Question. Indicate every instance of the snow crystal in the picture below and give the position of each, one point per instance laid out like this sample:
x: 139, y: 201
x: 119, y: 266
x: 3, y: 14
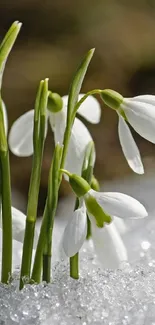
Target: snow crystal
x: 110, y: 297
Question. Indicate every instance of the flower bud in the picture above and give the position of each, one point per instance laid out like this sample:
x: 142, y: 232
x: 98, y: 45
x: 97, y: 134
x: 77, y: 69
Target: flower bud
x: 55, y: 102
x: 79, y: 185
x: 96, y: 211
x: 111, y: 98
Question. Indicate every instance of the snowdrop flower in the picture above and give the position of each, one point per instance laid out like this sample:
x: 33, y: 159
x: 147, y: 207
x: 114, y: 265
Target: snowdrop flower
x: 18, y: 226
x: 100, y: 207
x: 107, y: 242
x: 21, y: 134
x: 139, y: 111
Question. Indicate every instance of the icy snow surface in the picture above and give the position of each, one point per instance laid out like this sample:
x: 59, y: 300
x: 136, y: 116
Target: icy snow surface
x: 112, y: 297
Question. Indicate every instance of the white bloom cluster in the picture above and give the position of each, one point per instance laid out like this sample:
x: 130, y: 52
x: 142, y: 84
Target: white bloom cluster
x: 140, y: 113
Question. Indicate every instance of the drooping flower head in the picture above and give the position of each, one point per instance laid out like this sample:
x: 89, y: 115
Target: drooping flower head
x: 101, y: 208
x: 139, y: 112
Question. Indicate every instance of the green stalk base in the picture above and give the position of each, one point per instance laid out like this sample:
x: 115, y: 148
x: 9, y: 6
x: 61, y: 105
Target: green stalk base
x: 74, y: 266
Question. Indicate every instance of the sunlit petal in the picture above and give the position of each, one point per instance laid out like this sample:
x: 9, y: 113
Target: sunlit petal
x: 75, y: 232
x: 129, y: 147
x: 58, y: 125
x: 90, y: 109
x: 18, y: 226
x: 109, y: 246
x: 120, y: 225
x: 147, y: 99
x: 120, y: 205
x: 141, y: 116
x: 80, y: 137
x: 21, y: 135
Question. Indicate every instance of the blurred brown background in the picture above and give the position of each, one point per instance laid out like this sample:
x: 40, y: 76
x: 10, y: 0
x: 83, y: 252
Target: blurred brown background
x: 54, y: 37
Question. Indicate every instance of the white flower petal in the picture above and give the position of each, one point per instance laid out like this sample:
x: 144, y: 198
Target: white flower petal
x: 147, y: 99
x: 120, y: 225
x: 80, y: 137
x: 109, y: 246
x: 18, y: 226
x: 75, y: 232
x: 21, y: 135
x: 58, y: 125
x: 90, y: 109
x: 65, y: 101
x: 119, y: 204
x: 141, y: 116
x: 129, y: 147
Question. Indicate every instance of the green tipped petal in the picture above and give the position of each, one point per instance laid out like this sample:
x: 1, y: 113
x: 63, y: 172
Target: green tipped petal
x: 96, y: 211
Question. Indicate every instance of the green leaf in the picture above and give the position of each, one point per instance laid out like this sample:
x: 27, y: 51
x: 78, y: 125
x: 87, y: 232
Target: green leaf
x: 7, y: 45
x: 77, y: 81
x: 53, y: 183
x: 40, y: 111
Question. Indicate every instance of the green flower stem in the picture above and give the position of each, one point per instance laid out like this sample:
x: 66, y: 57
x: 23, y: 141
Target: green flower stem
x: 65, y: 148
x: 38, y: 141
x: 89, y: 231
x: 70, y: 121
x: 96, y: 187
x: 37, y: 266
x: 6, y: 203
x: 6, y: 218
x: 89, y: 93
x: 53, y: 187
x: 74, y: 266
x: 74, y: 260
x: 72, y: 101
x: 44, y: 246
x: 87, y: 174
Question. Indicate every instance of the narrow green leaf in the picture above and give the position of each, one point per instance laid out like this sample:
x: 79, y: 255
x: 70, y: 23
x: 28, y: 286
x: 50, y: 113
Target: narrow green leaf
x: 54, y: 174
x: 77, y: 81
x: 7, y: 45
x: 52, y: 201
x: 37, y: 101
x: 44, y: 98
x: 40, y: 113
